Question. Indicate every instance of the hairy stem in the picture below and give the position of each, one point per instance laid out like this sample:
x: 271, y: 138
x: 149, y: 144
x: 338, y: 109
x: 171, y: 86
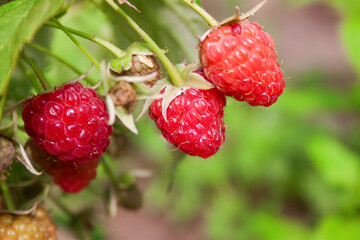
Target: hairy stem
x: 205, y: 15
x: 109, y: 46
x: 173, y: 73
x: 37, y: 71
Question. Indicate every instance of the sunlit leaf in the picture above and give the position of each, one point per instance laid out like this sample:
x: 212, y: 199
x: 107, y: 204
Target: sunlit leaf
x: 19, y: 21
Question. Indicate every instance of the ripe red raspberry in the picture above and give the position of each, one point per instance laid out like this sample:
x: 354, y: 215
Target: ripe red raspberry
x: 38, y: 226
x: 70, y: 176
x: 194, y: 121
x: 70, y: 123
x: 240, y: 59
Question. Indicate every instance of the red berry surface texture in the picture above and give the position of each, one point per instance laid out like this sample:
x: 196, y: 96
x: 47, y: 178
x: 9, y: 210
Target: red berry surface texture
x: 194, y: 121
x: 70, y: 176
x: 69, y: 123
x: 240, y: 59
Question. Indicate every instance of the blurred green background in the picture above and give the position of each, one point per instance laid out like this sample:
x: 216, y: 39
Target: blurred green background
x: 291, y: 171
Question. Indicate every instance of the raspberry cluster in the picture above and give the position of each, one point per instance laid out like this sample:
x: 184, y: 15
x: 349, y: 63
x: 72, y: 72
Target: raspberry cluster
x: 69, y: 123
x: 38, y: 226
x: 69, y: 128
x: 240, y: 59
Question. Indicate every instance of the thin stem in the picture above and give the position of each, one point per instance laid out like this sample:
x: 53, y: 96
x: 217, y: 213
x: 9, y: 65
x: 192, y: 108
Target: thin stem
x: 108, y: 170
x: 109, y: 46
x: 58, y: 58
x: 205, y: 15
x: 37, y: 71
x: 175, y: 76
x: 178, y: 157
x: 34, y: 82
x: 76, y: 42
x: 7, y: 196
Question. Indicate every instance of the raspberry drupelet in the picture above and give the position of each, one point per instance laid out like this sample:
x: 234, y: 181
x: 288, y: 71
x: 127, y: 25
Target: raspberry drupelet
x: 69, y: 123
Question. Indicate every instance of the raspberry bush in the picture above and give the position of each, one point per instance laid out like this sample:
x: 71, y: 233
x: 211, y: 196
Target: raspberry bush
x: 84, y: 94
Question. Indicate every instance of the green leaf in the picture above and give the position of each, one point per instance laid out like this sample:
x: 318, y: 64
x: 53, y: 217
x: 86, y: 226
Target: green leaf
x: 19, y: 21
x: 198, y: 2
x: 336, y: 164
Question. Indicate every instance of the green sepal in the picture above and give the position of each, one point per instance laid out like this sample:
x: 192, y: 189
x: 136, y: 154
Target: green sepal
x: 125, y: 63
x: 198, y: 2
x: 121, y: 64
x: 139, y: 48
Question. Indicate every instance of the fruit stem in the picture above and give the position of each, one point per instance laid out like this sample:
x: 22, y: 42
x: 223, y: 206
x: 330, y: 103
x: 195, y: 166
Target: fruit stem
x: 58, y: 58
x: 7, y: 196
x: 34, y: 82
x: 108, y: 170
x: 44, y: 83
x: 109, y: 46
x: 174, y: 74
x: 204, y: 14
x: 177, y: 158
x: 76, y: 42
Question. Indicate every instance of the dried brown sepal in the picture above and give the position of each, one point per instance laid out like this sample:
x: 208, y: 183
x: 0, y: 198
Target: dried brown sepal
x: 124, y: 94
x: 7, y: 153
